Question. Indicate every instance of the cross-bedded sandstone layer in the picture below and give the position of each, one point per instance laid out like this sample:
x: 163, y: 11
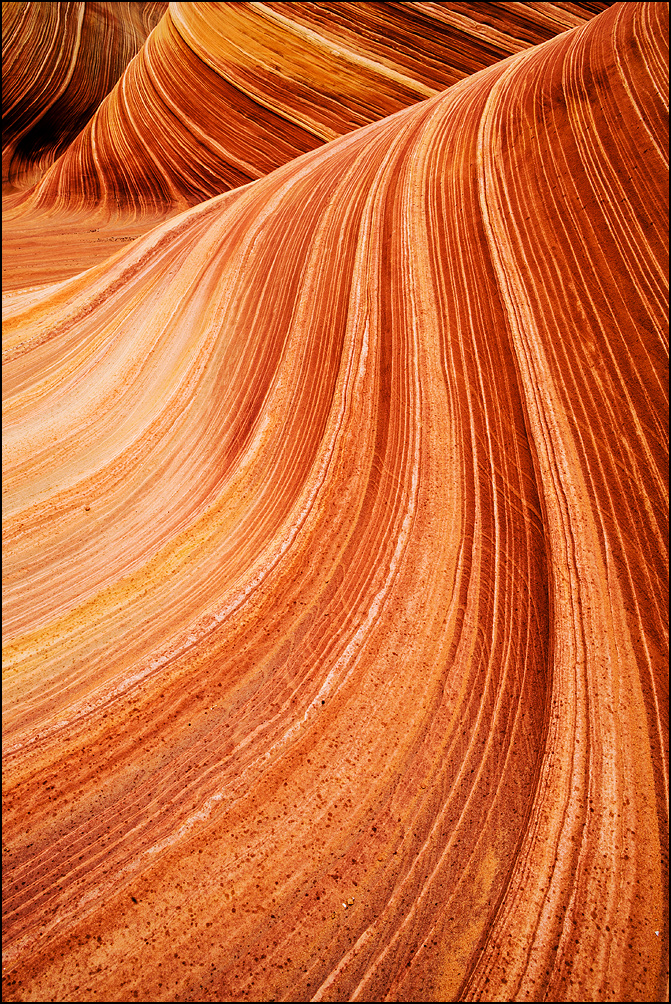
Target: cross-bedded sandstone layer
x: 221, y: 94
x: 335, y: 557
x: 59, y: 62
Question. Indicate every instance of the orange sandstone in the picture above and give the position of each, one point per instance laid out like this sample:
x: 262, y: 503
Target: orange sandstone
x: 335, y: 565
x: 221, y: 94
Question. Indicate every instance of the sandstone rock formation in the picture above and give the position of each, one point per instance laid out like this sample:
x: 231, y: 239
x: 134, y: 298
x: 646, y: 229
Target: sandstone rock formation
x: 59, y: 62
x: 335, y: 558
x: 222, y: 94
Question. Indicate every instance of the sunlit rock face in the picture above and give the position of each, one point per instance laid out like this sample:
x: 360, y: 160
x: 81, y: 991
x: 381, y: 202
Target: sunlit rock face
x: 335, y: 563
x: 59, y: 60
x: 223, y: 93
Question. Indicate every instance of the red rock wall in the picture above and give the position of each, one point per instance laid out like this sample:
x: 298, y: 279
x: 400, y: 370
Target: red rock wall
x: 336, y: 567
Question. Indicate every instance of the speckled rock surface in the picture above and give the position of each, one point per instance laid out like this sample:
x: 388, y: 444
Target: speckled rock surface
x: 335, y: 561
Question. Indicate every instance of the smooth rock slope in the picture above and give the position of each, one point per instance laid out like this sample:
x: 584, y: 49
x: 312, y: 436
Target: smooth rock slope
x: 336, y: 568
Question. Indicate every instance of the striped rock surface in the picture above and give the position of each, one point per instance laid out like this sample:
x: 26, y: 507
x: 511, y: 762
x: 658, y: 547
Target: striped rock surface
x: 223, y: 93
x: 335, y: 566
x: 59, y: 62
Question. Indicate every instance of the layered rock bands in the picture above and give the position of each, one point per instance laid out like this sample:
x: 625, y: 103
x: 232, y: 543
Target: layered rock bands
x: 335, y: 521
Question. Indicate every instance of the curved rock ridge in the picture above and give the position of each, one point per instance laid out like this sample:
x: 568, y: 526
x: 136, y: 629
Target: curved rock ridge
x: 336, y: 568
x: 59, y: 60
x: 272, y: 82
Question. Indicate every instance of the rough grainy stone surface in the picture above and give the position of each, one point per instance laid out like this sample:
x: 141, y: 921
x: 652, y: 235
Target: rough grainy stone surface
x: 335, y: 518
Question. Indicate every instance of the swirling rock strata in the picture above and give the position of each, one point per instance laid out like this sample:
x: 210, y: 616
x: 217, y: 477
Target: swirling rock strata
x: 272, y: 82
x: 59, y: 62
x: 335, y: 567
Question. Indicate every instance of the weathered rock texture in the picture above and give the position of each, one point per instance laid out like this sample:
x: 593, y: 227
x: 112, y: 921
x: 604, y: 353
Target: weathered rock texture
x: 223, y: 93
x: 335, y: 566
